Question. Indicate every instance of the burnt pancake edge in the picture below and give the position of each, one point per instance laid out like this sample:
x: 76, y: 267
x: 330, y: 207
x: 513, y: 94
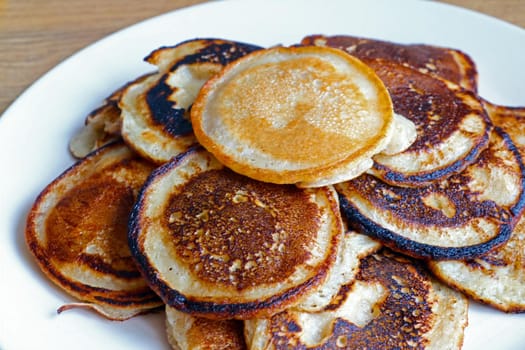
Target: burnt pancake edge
x: 142, y: 298
x: 212, y: 310
x: 424, y: 178
x: 361, y: 223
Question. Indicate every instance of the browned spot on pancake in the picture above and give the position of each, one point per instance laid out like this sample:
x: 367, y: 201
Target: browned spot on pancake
x: 89, y: 224
x: 214, y: 334
x: 403, y: 317
x: 232, y: 230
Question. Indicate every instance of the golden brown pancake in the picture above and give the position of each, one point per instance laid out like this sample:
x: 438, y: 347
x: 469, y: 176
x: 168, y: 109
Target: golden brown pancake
x: 461, y: 217
x: 306, y: 115
x: 155, y: 112
x: 450, y: 64
x: 77, y: 231
x: 496, y: 278
x: 393, y: 303
x: 186, y: 332
x: 217, y: 244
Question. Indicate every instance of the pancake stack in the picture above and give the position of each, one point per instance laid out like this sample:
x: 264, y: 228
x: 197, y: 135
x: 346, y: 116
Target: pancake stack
x: 341, y: 193
x: 463, y: 217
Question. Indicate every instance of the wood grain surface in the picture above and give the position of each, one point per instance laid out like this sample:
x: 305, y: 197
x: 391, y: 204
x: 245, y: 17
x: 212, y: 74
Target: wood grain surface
x: 35, y: 35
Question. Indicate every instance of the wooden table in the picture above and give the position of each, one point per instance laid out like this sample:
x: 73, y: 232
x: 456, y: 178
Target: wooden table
x: 35, y: 35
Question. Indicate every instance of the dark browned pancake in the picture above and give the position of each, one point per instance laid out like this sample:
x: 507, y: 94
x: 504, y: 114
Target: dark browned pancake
x: 450, y: 64
x: 77, y: 231
x: 216, y: 244
x: 155, y: 112
x: 462, y: 217
x: 393, y: 303
x: 496, y: 278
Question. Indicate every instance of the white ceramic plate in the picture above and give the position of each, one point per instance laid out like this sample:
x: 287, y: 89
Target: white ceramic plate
x: 35, y: 130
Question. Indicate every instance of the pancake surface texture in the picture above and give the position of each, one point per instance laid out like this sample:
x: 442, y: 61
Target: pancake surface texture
x: 155, y: 111
x: 77, y: 231
x: 216, y: 244
x: 392, y: 304
x: 306, y: 115
x: 447, y: 63
x: 186, y: 332
x: 452, y: 126
x: 496, y: 278
x: 463, y: 216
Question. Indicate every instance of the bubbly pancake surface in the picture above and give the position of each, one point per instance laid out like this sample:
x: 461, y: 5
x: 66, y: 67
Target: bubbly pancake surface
x: 288, y: 115
x: 463, y: 216
x: 392, y: 304
x: 77, y: 230
x: 217, y: 244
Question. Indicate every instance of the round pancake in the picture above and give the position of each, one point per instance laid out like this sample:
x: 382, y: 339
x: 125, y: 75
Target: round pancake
x: 496, y: 278
x: 452, y: 126
x: 450, y: 64
x: 186, y: 332
x: 216, y: 244
x: 394, y: 303
x: 295, y: 115
x: 155, y: 112
x: 77, y: 231
x: 461, y: 217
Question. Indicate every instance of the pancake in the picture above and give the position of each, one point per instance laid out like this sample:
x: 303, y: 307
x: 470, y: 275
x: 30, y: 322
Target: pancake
x: 155, y: 112
x: 216, y: 244
x: 310, y: 116
x: 447, y: 63
x: 461, y: 217
x: 186, y: 332
x: 393, y: 303
x: 102, y: 125
x: 77, y: 232
x: 496, y: 278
